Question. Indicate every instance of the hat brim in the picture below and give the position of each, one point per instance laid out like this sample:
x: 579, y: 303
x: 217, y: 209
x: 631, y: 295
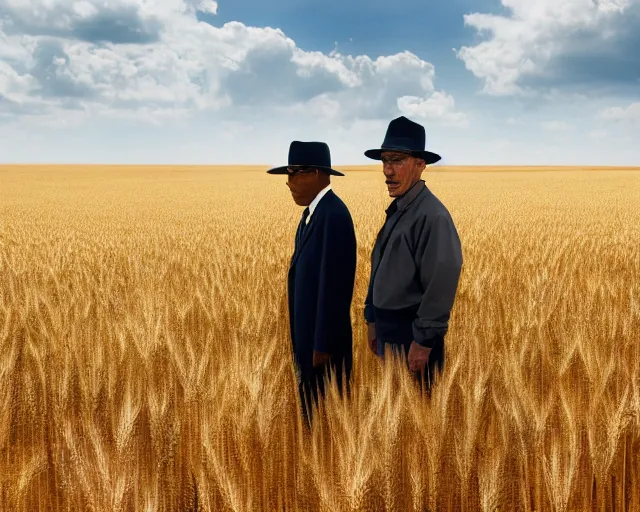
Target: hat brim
x: 283, y: 169
x: 427, y: 156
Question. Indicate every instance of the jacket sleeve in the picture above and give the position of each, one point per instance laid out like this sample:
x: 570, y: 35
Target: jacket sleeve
x: 336, y: 282
x: 439, y: 258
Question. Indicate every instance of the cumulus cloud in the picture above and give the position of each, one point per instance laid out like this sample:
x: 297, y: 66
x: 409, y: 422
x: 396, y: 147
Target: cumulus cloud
x: 547, y: 43
x: 630, y: 113
x: 153, y: 60
x: 117, y: 21
x: 439, y: 106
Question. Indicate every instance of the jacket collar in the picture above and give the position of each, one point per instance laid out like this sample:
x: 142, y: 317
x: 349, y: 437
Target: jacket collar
x: 316, y: 200
x: 409, y: 195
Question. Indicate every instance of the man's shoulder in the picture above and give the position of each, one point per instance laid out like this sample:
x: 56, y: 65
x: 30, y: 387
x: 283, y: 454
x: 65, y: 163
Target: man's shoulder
x: 432, y: 207
x: 335, y: 205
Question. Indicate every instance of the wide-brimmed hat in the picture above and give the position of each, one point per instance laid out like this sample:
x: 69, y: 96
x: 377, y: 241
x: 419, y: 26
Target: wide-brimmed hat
x: 405, y: 136
x: 308, y: 154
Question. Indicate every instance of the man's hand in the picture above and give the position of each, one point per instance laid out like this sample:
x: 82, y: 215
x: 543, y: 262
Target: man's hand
x: 371, y: 333
x: 418, y: 357
x: 319, y: 358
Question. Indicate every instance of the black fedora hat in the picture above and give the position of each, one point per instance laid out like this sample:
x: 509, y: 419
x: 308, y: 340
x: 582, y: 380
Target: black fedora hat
x: 307, y: 154
x: 405, y: 136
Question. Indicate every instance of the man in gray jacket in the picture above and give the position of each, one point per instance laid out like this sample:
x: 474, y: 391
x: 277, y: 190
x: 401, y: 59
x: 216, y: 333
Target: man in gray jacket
x: 417, y: 258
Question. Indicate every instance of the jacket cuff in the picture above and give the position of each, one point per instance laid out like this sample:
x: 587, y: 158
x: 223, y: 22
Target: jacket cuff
x: 369, y: 314
x: 427, y: 337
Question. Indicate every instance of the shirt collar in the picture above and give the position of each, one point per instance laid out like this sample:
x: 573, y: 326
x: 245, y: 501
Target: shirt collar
x: 316, y: 200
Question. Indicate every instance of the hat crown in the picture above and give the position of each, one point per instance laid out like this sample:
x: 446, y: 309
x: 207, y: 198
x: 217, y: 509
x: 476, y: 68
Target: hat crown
x: 405, y: 135
x: 309, y: 154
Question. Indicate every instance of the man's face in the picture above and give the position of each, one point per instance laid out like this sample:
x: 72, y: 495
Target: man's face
x: 401, y: 171
x: 304, y: 185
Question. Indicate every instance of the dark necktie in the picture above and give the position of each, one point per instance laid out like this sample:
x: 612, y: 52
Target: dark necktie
x: 305, y: 214
x: 303, y: 224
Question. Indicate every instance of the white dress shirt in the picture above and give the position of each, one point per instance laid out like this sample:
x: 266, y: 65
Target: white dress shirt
x: 316, y: 200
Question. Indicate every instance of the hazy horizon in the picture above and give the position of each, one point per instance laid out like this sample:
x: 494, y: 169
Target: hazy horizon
x: 354, y: 167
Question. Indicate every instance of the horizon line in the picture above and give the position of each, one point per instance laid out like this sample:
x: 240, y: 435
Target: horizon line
x: 337, y: 166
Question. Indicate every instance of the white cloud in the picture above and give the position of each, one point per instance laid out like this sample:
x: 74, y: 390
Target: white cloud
x: 153, y: 60
x: 440, y: 106
x: 209, y: 6
x: 522, y: 45
x: 556, y: 126
x: 125, y: 21
x: 630, y: 113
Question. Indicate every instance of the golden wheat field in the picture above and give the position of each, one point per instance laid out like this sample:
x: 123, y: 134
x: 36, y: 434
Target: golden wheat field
x: 145, y: 357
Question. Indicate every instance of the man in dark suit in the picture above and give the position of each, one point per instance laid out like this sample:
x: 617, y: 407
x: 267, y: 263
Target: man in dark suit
x: 321, y: 274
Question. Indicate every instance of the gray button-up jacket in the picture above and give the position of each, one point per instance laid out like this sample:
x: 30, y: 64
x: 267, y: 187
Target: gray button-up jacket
x: 420, y: 266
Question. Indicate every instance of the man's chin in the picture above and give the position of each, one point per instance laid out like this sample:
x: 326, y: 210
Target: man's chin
x: 394, y: 190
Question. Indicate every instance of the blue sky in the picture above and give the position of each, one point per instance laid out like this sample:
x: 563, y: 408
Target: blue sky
x: 509, y: 82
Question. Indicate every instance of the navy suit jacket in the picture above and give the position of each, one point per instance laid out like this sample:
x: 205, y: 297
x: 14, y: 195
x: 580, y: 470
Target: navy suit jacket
x: 320, y: 285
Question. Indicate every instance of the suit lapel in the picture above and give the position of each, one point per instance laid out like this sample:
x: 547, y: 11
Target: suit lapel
x: 310, y: 227
x: 297, y: 239
x: 305, y: 237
